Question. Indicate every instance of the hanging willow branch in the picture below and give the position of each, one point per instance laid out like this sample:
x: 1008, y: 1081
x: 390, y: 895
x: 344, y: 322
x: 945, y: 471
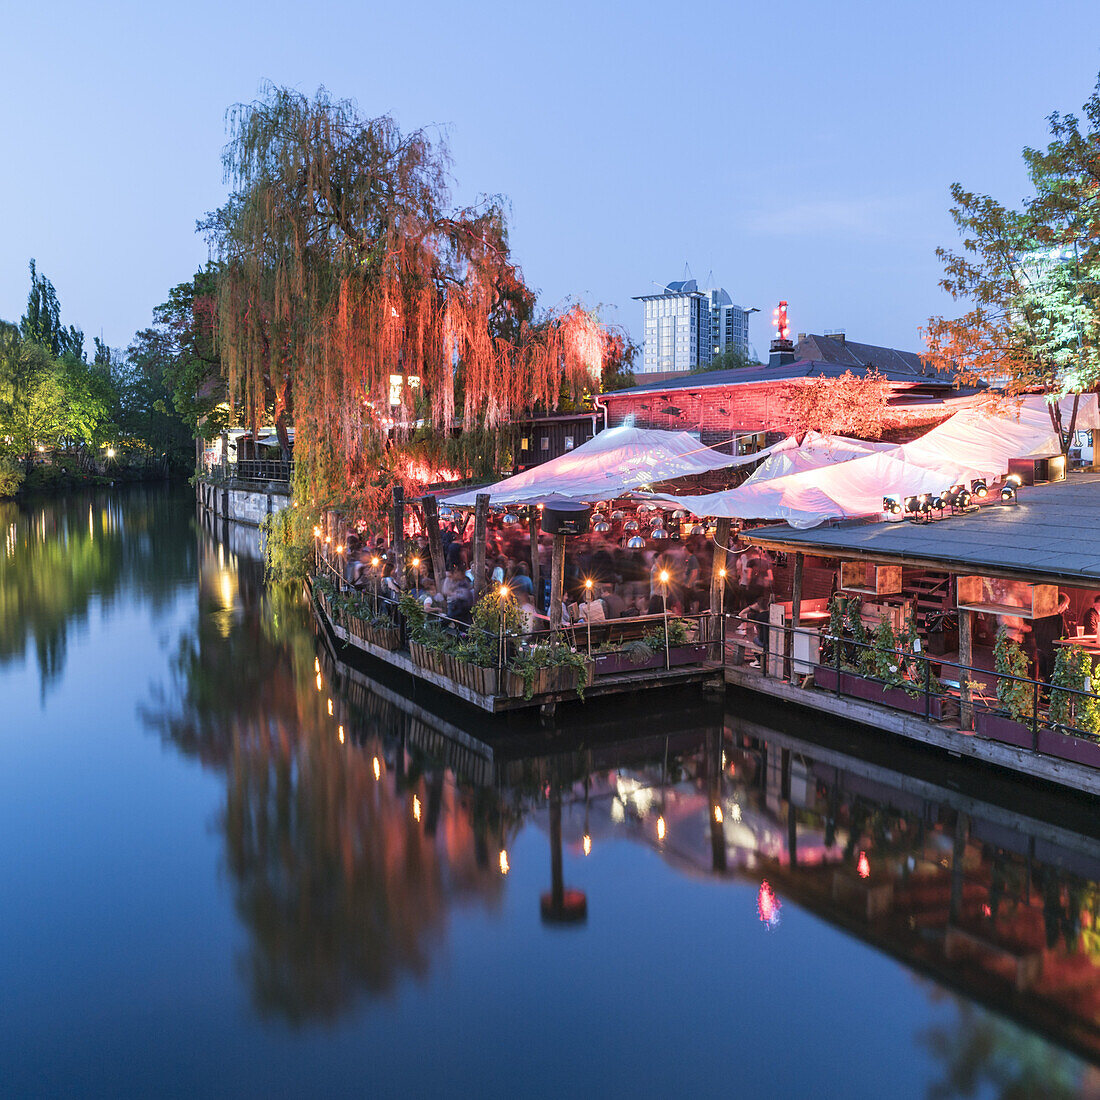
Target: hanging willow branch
x: 342, y: 264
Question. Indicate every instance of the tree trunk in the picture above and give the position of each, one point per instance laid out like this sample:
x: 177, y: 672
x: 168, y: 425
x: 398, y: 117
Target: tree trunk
x: 399, y: 535
x: 557, y: 581
x: 718, y: 582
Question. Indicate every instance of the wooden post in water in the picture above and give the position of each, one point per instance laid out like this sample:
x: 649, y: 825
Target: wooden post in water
x: 533, y: 520
x: 435, y: 540
x: 557, y: 581
x: 966, y: 657
x: 796, y: 606
x: 481, y: 530
x: 718, y: 577
x: 399, y: 535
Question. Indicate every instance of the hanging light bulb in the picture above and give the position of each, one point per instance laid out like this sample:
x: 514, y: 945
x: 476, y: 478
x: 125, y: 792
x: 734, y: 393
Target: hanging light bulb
x: 658, y: 533
x: 679, y: 514
x: 597, y: 516
x: 602, y: 527
x: 645, y: 506
x: 630, y: 526
x: 618, y: 516
x: 635, y: 542
x: 509, y: 519
x: 698, y: 529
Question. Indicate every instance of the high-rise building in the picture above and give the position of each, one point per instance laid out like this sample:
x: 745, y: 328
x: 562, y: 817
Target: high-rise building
x: 685, y: 327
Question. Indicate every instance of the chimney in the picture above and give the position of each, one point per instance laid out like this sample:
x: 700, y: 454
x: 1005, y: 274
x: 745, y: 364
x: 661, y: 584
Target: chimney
x: 837, y: 336
x: 781, y: 351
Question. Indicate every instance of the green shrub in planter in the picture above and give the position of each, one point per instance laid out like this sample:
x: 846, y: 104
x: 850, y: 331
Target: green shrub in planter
x: 1073, y: 670
x: 1017, y: 700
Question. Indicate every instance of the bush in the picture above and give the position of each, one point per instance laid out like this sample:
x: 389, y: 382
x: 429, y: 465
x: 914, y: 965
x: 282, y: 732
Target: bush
x: 1073, y: 670
x: 1016, y: 699
x: 11, y: 477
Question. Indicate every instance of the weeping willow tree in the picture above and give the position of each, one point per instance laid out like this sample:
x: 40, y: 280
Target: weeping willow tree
x: 347, y: 279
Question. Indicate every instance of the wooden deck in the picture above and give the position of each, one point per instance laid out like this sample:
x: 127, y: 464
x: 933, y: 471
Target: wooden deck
x: 943, y: 735
x: 705, y: 675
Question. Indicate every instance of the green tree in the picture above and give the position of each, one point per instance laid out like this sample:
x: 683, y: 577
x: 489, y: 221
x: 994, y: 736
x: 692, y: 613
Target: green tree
x: 732, y: 358
x: 41, y: 323
x: 1031, y: 277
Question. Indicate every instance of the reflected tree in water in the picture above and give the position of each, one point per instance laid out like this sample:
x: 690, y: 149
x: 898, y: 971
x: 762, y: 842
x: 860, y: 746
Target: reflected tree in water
x: 342, y: 889
x: 61, y: 557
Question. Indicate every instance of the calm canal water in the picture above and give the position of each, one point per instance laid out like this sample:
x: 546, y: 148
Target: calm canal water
x: 231, y: 862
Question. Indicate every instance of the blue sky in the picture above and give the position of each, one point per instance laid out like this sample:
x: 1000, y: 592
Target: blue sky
x: 799, y: 150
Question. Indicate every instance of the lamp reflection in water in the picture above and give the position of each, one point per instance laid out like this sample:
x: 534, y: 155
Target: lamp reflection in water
x: 505, y: 866
x: 416, y: 807
x: 340, y: 734
x: 863, y: 867
x: 768, y: 905
x: 377, y: 768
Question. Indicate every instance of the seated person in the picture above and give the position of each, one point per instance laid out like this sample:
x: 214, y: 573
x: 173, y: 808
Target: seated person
x: 1091, y: 621
x: 613, y: 602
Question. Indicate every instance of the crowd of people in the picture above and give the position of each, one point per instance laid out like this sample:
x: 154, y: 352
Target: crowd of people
x: 603, y: 580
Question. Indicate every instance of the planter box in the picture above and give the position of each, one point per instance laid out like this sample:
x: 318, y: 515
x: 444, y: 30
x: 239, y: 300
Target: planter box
x: 999, y: 727
x: 860, y: 687
x: 546, y: 680
x: 613, y: 664
x: 1081, y: 750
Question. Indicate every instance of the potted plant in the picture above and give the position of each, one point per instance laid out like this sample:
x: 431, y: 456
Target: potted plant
x: 548, y: 667
x: 1074, y: 710
x: 1011, y: 722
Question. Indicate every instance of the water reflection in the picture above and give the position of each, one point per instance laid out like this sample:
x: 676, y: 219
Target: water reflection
x: 62, y: 557
x: 358, y: 822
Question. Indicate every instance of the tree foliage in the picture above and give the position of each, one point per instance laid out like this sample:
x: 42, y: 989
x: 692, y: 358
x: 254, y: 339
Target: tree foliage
x: 849, y: 405
x: 733, y: 358
x: 342, y: 264
x: 1031, y: 276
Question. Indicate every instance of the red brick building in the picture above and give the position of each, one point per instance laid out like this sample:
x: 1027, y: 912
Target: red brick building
x: 749, y: 401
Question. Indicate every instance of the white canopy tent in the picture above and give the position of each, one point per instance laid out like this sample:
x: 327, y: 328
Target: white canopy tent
x: 611, y: 464
x: 814, y: 451
x: 976, y: 442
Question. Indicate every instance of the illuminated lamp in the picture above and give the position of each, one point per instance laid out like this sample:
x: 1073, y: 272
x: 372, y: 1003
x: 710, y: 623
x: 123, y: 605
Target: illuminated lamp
x: 658, y: 533
x: 603, y: 505
x: 698, y: 529
x: 679, y: 514
x: 635, y: 542
x: 891, y: 505
x: 1008, y: 492
x: 979, y: 488
x: 602, y: 527
x: 655, y: 521
x: 597, y: 516
x: 618, y: 516
x: 912, y: 504
x: 509, y: 519
x: 646, y: 507
x: 630, y: 526
x: 938, y: 502
x: 446, y: 513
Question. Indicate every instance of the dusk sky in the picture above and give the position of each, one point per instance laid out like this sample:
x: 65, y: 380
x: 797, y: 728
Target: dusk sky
x: 797, y: 150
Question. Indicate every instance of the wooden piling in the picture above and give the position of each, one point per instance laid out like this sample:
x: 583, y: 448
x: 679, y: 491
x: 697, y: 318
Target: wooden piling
x: 557, y: 581
x: 718, y: 582
x: 481, y: 531
x: 435, y: 541
x: 796, y: 607
x: 533, y: 519
x: 399, y: 535
x: 966, y: 658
